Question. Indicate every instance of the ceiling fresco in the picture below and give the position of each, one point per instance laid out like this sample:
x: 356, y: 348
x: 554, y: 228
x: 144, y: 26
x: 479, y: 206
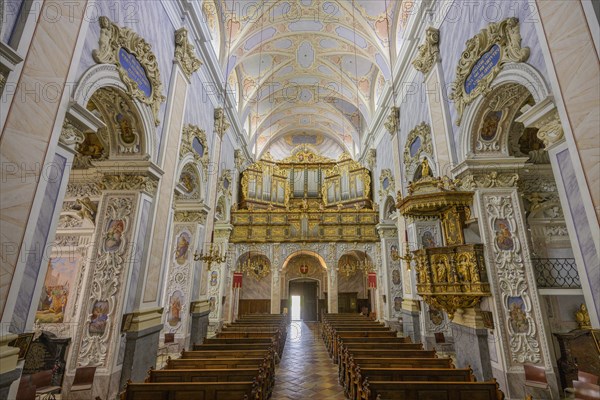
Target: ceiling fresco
x: 315, y: 66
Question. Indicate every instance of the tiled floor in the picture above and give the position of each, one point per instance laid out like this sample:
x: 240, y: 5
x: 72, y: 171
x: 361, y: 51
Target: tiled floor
x: 305, y: 370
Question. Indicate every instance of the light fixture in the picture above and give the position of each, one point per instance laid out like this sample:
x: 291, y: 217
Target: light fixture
x: 256, y: 266
x: 213, y: 256
x: 349, y: 268
x: 407, y: 257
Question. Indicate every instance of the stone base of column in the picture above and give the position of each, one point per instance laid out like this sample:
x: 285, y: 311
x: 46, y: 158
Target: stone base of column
x: 516, y: 390
x: 200, y: 310
x: 9, y: 372
x: 471, y: 343
x: 141, y: 348
x: 411, y: 325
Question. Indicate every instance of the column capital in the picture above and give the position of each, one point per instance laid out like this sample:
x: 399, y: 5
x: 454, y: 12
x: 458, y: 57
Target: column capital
x: 185, y: 54
x: 544, y: 116
x: 428, y: 52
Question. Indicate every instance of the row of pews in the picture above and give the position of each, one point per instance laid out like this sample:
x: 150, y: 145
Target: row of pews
x: 375, y: 364
x: 238, y: 363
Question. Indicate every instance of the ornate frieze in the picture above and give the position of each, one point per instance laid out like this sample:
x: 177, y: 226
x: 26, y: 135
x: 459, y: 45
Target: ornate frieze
x: 84, y: 189
x: 484, y: 57
x: 135, y: 61
x: 198, y: 217
x: 193, y: 141
x: 393, y: 121
x: 428, y: 52
x: 129, y: 182
x: 185, y: 54
x: 221, y: 122
x: 489, y: 180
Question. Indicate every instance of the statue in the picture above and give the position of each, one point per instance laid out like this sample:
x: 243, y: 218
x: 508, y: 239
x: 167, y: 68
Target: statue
x: 583, y: 317
x: 425, y: 171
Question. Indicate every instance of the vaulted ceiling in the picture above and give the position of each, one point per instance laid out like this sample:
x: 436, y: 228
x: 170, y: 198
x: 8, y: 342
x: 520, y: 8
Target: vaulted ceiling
x: 306, y: 71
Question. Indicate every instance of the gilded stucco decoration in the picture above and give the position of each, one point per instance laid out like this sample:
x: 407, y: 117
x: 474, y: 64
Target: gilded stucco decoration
x: 393, y: 120
x: 418, y: 146
x: 387, y: 184
x: 130, y: 182
x: 502, y: 43
x: 429, y: 52
x: 185, y: 54
x: 193, y: 141
x: 114, y: 40
x: 221, y: 122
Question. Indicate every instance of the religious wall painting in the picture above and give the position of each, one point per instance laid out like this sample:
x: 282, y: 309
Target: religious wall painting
x: 91, y: 147
x: 214, y: 275
x: 517, y: 316
x: 113, y: 235
x: 125, y: 125
x: 489, y: 127
x: 396, y: 280
x: 504, y: 238
x: 57, y: 288
x: 182, y: 249
x: 99, y: 318
x: 428, y: 240
x: 175, y: 305
x: 397, y: 303
x: 188, y: 181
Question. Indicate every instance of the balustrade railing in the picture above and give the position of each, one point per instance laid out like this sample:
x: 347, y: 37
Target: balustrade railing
x: 556, y: 273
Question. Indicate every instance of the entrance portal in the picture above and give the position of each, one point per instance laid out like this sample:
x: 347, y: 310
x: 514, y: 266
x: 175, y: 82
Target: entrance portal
x: 303, y: 295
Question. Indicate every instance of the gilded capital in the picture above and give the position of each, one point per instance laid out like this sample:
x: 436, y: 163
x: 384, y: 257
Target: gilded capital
x: 184, y: 53
x: 428, y: 52
x: 393, y: 121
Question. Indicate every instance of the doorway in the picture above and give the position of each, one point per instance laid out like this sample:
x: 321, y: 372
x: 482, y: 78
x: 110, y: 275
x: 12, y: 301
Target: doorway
x: 304, y: 296
x: 296, y: 308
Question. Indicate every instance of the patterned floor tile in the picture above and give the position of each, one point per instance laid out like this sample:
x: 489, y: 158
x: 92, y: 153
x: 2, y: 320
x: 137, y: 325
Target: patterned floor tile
x: 306, y: 372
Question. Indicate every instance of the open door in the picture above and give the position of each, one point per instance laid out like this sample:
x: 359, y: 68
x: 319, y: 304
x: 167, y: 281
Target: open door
x: 307, y: 292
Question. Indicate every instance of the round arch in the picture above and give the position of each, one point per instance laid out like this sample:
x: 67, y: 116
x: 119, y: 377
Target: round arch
x: 306, y: 253
x: 519, y: 73
x: 106, y: 76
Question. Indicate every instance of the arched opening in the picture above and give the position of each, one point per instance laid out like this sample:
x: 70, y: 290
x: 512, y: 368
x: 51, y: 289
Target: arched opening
x: 255, y: 294
x: 353, y: 290
x: 304, y: 286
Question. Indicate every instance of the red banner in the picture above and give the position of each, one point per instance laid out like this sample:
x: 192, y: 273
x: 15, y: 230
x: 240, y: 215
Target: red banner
x: 372, y: 280
x: 237, y: 279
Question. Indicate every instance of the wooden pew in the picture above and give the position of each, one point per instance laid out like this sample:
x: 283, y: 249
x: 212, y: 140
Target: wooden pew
x: 407, y: 374
x: 192, y: 390
x: 212, y: 363
x: 203, y: 375
x: 380, y: 390
x: 224, y: 353
x: 233, y: 346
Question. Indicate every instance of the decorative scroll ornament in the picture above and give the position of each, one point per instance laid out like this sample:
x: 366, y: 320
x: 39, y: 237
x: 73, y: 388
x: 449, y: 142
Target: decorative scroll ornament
x: 550, y: 129
x: 117, y: 44
x: 489, y: 50
x: 418, y: 146
x: 512, y: 282
x: 190, y: 216
x: 193, y: 141
x: 184, y: 53
x: 108, y: 273
x: 387, y: 185
x: 221, y: 123
x: 70, y: 135
x: 239, y: 159
x: 84, y: 189
x: 130, y: 182
x: 393, y: 121
x: 225, y: 183
x: 493, y: 179
x: 428, y: 52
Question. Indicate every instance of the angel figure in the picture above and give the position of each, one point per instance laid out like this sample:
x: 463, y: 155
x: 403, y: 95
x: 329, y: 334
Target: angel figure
x: 88, y: 209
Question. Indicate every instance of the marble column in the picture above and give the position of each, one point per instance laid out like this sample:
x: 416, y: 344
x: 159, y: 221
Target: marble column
x: 471, y: 343
x: 168, y: 161
x: 275, y: 290
x: 332, y: 290
x: 389, y: 237
x: 27, y: 145
x: 219, y: 282
x: 199, y: 327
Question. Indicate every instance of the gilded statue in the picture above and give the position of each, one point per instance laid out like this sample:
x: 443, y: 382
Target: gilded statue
x: 583, y: 317
x: 425, y: 170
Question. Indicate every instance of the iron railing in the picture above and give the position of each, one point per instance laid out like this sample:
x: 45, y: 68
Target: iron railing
x: 556, y: 273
